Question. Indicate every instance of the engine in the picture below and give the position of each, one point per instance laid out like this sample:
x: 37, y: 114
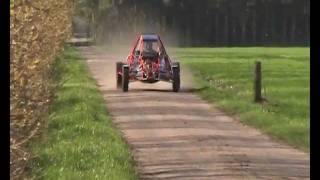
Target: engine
x: 150, y: 65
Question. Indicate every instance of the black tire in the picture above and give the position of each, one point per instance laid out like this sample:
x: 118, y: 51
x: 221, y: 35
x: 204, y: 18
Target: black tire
x: 118, y: 76
x: 176, y: 78
x: 125, y: 78
x: 176, y: 64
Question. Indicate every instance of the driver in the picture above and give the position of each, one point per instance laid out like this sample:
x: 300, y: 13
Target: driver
x: 149, y: 47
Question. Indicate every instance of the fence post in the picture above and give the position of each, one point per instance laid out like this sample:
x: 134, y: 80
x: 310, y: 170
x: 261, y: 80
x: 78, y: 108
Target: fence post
x: 257, y: 82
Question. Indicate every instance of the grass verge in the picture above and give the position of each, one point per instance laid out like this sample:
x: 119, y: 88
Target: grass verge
x: 79, y: 141
x: 226, y: 76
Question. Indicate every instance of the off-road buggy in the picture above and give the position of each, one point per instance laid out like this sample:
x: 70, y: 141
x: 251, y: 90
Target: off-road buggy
x: 148, y: 62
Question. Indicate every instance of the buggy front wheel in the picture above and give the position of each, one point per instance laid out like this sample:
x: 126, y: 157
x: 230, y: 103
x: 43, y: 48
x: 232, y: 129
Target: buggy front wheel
x: 125, y: 78
x: 118, y: 75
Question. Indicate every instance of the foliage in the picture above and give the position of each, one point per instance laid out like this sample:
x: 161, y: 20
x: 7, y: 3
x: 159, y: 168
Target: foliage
x: 80, y: 141
x: 226, y: 76
x: 37, y: 30
x: 206, y: 22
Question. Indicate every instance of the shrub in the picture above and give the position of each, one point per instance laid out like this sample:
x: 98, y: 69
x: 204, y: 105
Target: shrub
x: 37, y: 32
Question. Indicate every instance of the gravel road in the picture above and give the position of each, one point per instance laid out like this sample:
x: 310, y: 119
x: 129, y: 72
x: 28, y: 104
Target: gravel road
x: 181, y: 136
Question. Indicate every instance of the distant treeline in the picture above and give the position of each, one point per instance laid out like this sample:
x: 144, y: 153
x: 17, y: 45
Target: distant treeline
x: 202, y: 22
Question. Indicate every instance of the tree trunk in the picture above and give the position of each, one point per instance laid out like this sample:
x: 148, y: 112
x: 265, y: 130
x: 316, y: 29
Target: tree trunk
x: 265, y: 33
x: 293, y: 29
x: 234, y: 33
x: 243, y: 33
x: 94, y: 25
x: 163, y: 24
x: 284, y: 29
x: 243, y: 23
x: 273, y: 28
x: 216, y: 27
x: 226, y: 29
x: 254, y: 28
x: 135, y: 22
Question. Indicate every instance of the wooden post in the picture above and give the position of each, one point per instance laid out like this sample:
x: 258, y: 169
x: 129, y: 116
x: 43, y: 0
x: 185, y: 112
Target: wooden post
x: 257, y: 83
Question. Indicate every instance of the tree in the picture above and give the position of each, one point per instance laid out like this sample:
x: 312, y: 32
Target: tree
x: 223, y: 22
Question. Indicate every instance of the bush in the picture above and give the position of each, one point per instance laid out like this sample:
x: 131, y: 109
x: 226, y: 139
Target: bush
x: 37, y: 32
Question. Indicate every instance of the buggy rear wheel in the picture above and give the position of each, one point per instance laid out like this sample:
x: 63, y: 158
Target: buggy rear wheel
x: 176, y: 77
x: 125, y: 78
x: 118, y: 76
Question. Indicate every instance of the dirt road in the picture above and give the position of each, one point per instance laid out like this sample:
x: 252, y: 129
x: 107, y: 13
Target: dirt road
x: 180, y: 136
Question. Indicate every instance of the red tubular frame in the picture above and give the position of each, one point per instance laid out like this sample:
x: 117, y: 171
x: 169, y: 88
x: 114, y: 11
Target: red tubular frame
x: 131, y: 55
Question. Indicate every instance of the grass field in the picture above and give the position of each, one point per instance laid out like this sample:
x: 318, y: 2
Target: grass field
x: 226, y: 76
x: 80, y: 142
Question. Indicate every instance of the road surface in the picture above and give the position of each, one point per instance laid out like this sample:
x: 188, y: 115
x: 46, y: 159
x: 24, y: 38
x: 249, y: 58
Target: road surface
x: 180, y: 136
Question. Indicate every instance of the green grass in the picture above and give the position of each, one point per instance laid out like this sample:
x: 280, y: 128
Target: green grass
x: 80, y: 141
x: 226, y: 76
